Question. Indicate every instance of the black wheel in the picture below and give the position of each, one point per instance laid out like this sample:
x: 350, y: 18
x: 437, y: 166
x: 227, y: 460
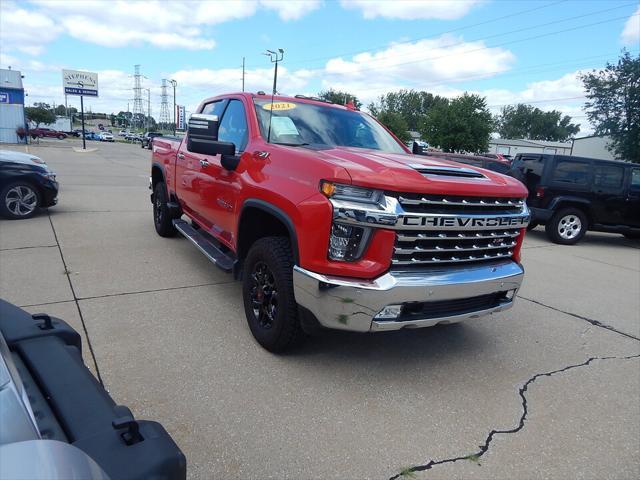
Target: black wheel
x: 532, y: 225
x: 19, y: 200
x: 60, y: 137
x: 41, y: 135
x: 161, y: 216
x: 567, y: 226
x: 267, y: 290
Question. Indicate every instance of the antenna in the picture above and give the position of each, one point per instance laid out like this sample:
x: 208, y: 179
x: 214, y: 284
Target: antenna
x: 275, y: 57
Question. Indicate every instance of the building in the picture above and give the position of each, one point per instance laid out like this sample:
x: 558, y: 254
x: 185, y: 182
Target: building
x: 593, y: 146
x: 506, y: 146
x: 11, y: 106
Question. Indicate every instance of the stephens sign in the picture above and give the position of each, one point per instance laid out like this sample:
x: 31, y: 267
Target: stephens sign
x: 180, y: 117
x: 80, y: 83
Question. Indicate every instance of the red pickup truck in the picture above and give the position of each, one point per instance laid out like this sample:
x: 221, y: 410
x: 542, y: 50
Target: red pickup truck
x: 329, y: 219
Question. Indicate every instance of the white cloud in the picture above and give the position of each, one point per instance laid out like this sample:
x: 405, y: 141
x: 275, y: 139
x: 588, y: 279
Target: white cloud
x: 30, y: 27
x: 25, y: 30
x: 418, y: 65
x: 412, y: 9
x: 631, y: 33
x: 291, y: 9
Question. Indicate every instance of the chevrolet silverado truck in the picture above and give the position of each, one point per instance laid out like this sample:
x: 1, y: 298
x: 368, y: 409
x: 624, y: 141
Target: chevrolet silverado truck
x: 329, y: 219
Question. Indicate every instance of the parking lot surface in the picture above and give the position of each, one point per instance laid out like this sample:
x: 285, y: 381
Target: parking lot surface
x: 549, y: 389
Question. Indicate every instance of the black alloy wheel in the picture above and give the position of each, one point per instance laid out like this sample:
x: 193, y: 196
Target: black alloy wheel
x: 264, y: 295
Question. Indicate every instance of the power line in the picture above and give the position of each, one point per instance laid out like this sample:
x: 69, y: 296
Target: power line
x: 535, y: 37
x: 501, y: 34
x: 465, y: 27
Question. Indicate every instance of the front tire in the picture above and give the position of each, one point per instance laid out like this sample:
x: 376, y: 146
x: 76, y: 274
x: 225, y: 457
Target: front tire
x: 567, y: 226
x: 19, y: 200
x: 162, y: 219
x: 267, y: 290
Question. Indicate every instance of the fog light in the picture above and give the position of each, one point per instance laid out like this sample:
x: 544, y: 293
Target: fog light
x: 390, y: 311
x: 347, y: 242
x: 510, y: 294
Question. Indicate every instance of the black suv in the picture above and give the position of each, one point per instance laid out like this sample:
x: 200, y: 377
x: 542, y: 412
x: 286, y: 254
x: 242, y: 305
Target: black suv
x: 570, y: 195
x: 147, y: 139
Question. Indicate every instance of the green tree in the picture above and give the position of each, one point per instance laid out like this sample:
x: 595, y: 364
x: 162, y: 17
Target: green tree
x: 613, y: 105
x: 40, y: 115
x: 60, y: 110
x: 463, y: 124
x: 339, y: 97
x: 394, y: 122
x: 411, y: 104
x: 526, y: 121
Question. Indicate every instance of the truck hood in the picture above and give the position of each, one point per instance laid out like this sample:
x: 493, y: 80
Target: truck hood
x: 400, y: 172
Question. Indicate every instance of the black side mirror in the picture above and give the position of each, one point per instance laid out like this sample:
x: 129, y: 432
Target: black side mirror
x: 202, y: 137
x: 416, y: 149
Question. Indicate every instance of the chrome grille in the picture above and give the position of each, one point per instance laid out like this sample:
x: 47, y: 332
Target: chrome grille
x: 433, y: 246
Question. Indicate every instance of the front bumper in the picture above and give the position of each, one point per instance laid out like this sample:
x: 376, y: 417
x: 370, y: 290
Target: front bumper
x: 352, y: 304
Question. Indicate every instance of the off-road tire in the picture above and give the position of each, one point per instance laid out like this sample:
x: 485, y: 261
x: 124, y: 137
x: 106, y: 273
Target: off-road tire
x: 4, y: 210
x: 285, y: 331
x: 552, y: 228
x: 162, y: 219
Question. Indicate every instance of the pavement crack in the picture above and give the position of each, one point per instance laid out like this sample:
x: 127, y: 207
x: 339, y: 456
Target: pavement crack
x: 139, y: 292
x: 593, y: 322
x: 26, y: 248
x: 484, y: 448
x: 75, y: 299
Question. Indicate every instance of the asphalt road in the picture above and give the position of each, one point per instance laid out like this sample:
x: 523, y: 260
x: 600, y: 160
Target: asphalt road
x: 549, y: 389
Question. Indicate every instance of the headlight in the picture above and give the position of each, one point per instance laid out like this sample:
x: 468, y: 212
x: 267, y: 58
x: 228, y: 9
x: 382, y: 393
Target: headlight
x: 347, y: 242
x: 351, y: 193
x: 49, y: 175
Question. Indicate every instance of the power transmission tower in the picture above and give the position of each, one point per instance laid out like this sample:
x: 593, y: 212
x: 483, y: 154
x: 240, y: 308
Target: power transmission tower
x: 164, y: 106
x: 138, y: 110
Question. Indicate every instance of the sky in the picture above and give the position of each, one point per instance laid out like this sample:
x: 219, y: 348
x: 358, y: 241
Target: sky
x: 508, y: 51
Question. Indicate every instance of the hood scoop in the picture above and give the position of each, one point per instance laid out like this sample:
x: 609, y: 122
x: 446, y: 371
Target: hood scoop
x: 444, y: 171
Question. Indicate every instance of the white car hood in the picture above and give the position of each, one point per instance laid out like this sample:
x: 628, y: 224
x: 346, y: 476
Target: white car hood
x: 19, y: 157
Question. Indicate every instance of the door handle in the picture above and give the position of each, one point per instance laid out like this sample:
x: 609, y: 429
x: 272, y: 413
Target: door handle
x: 180, y: 156
x: 204, y: 163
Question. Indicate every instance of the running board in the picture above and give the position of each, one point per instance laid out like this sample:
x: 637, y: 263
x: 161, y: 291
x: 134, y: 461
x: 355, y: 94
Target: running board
x: 206, y: 246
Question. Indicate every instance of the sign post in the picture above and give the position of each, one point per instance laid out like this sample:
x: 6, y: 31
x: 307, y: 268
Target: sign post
x: 80, y: 84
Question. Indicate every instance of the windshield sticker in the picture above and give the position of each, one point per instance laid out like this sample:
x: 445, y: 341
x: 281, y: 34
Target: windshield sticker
x: 283, y: 126
x: 279, y: 106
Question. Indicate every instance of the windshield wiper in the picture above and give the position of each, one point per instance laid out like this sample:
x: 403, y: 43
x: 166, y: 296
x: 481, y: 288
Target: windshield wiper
x: 291, y: 144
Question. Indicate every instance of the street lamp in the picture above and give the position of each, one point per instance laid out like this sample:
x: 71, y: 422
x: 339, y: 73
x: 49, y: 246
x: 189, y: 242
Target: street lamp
x: 275, y: 58
x: 148, y: 120
x: 174, y: 84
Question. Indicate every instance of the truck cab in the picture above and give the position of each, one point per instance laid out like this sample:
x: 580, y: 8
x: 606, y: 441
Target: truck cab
x: 330, y: 221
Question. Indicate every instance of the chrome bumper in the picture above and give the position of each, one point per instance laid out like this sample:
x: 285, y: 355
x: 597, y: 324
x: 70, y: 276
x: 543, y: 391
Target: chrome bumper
x: 351, y: 304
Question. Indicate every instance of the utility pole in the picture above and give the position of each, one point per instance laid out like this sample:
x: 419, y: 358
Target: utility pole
x: 243, y: 74
x: 275, y: 57
x: 164, y: 106
x: 148, y: 119
x: 174, y: 84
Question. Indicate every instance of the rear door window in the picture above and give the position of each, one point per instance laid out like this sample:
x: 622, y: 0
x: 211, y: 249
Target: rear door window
x: 635, y: 179
x: 571, y: 172
x: 609, y: 177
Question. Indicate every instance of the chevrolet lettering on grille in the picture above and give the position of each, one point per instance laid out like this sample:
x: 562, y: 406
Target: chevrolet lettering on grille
x: 457, y: 223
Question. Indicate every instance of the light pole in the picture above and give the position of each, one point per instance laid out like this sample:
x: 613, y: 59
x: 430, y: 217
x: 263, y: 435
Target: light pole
x: 174, y: 84
x: 275, y: 57
x: 148, y: 120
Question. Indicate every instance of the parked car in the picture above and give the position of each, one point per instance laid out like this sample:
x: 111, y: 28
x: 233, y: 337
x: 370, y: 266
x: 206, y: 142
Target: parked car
x: 26, y: 184
x: 474, y: 160
x: 91, y: 135
x: 497, y: 156
x: 58, y: 422
x: 571, y: 195
x: 330, y: 220
x: 76, y: 133
x: 105, y: 137
x: 123, y: 133
x: 147, y: 139
x: 47, y: 132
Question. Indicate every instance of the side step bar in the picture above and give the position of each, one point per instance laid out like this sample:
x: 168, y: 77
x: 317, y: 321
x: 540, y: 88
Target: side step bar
x: 206, y: 246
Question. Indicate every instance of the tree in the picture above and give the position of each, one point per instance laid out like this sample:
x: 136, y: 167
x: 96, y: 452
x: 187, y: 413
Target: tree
x: 613, y: 105
x: 60, y: 110
x: 394, y: 122
x: 525, y: 121
x: 411, y: 104
x: 339, y: 97
x: 463, y: 124
x: 40, y: 115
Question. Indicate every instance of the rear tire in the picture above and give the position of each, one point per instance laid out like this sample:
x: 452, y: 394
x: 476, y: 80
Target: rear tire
x: 567, y: 226
x: 267, y: 290
x: 162, y: 219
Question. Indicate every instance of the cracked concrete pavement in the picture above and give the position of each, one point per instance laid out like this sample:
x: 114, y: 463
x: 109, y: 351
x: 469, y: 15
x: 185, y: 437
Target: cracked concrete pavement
x: 553, y: 378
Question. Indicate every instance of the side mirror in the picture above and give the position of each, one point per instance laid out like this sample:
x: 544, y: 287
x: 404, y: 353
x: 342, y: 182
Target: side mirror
x: 202, y: 136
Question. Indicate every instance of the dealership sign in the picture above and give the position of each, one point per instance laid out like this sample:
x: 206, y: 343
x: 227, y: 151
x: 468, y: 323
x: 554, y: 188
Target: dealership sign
x: 80, y: 83
x: 180, y: 120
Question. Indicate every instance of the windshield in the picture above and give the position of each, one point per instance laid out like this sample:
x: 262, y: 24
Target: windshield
x: 304, y: 124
